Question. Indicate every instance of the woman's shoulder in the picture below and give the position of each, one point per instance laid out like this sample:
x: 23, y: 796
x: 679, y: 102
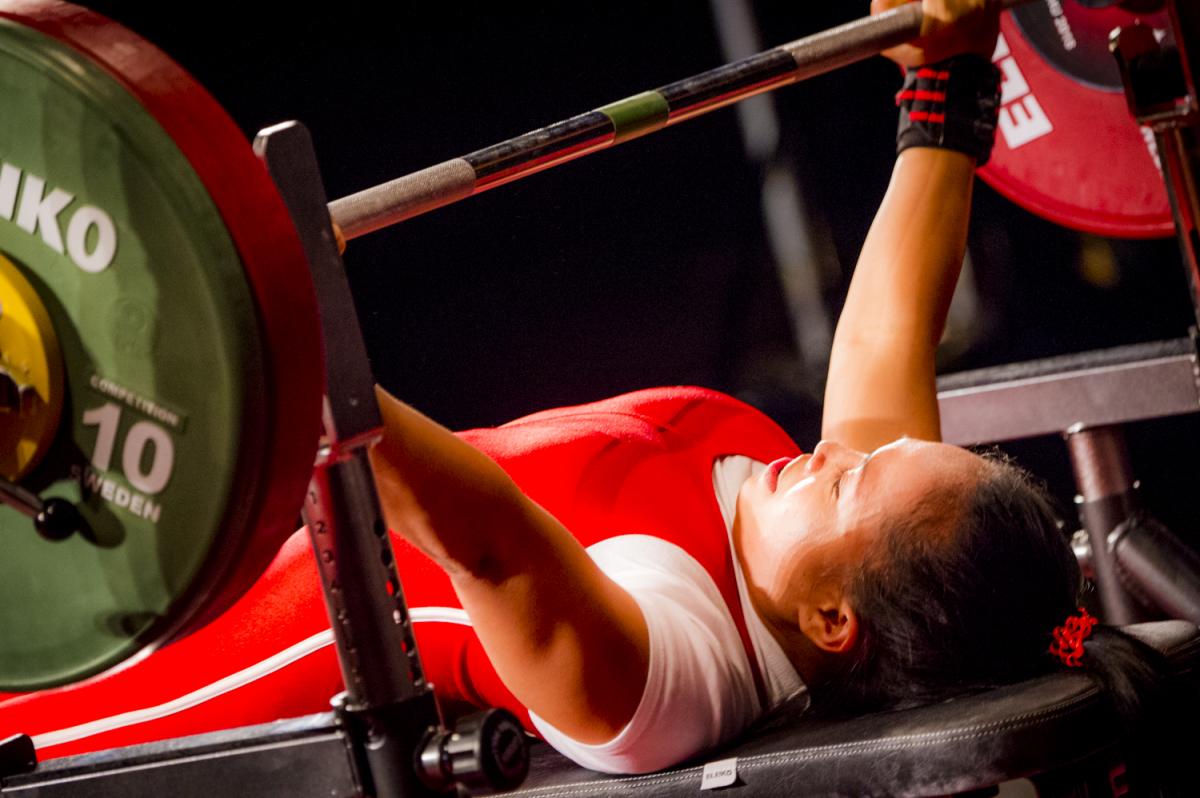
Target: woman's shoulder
x: 686, y: 410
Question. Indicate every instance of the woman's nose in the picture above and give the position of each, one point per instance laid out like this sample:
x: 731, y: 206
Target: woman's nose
x: 832, y: 452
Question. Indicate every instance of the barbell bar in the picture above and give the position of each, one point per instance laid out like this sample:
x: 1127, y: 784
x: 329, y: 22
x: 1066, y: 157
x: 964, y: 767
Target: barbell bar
x: 638, y: 115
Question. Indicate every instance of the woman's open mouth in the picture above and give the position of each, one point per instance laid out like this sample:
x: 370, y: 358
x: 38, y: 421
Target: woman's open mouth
x: 774, y: 469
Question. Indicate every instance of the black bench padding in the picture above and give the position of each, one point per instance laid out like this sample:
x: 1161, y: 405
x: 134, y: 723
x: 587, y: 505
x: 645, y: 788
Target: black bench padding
x: 965, y: 744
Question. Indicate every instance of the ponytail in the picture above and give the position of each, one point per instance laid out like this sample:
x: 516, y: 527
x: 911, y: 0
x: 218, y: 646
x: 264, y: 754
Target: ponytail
x: 1134, y: 678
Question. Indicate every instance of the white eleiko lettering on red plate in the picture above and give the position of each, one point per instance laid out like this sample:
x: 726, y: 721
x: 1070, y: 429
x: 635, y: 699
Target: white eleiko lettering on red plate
x: 1022, y: 118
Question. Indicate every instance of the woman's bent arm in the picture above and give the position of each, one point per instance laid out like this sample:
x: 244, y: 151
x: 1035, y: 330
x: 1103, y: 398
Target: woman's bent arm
x: 569, y: 642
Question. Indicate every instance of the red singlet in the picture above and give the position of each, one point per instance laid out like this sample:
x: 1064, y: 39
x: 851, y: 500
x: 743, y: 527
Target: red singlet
x: 640, y: 463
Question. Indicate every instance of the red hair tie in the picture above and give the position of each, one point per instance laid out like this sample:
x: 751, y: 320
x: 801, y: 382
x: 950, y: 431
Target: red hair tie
x: 1068, y: 638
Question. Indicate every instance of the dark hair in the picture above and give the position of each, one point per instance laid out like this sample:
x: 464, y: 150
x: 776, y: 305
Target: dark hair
x: 962, y: 595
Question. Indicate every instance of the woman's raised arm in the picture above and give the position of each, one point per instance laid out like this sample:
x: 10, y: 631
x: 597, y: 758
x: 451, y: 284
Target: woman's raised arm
x: 881, y: 383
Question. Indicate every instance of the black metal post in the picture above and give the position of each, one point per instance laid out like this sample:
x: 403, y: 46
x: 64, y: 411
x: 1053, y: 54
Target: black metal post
x: 1161, y: 88
x: 1106, y: 487
x: 388, y: 704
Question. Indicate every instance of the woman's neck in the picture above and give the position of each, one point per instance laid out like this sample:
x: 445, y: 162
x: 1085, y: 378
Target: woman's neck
x: 809, y: 661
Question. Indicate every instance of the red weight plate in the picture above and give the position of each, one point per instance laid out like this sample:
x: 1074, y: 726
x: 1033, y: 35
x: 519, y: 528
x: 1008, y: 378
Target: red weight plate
x: 1068, y: 149
x: 282, y: 428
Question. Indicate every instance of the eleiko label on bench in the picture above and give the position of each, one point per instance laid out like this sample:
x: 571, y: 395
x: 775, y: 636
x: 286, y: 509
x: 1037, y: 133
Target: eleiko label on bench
x: 721, y: 773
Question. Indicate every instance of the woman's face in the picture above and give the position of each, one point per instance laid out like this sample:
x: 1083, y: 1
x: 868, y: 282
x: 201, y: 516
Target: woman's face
x: 803, y: 519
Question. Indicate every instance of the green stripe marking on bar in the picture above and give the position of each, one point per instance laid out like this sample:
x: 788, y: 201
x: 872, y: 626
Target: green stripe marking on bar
x: 637, y: 115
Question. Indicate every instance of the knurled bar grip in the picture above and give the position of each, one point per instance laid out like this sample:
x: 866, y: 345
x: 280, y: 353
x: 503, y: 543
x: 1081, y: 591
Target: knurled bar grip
x: 453, y: 180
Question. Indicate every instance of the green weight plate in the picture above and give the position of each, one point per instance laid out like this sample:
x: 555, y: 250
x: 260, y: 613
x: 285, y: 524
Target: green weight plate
x: 187, y: 329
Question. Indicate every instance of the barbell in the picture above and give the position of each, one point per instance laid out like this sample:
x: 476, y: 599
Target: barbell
x: 160, y: 360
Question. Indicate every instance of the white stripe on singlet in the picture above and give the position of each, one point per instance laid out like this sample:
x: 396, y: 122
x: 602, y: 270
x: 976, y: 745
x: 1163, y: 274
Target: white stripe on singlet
x: 231, y: 682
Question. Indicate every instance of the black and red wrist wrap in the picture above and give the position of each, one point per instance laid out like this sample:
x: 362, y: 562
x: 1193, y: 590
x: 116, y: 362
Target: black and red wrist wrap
x: 952, y: 104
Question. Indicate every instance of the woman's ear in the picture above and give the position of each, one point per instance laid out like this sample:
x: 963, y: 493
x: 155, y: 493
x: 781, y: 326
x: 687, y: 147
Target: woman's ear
x: 830, y: 623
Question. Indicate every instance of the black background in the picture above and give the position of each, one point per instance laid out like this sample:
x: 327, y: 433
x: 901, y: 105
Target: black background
x: 645, y: 265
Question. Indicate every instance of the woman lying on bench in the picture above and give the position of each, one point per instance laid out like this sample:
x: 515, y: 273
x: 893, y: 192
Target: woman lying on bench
x: 643, y: 577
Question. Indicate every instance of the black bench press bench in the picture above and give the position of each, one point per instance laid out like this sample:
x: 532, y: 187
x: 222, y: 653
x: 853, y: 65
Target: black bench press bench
x: 1055, y: 730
